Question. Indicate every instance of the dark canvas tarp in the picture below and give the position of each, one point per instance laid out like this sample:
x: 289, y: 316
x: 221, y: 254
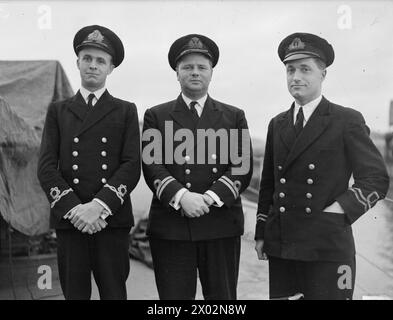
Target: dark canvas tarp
x: 26, y: 89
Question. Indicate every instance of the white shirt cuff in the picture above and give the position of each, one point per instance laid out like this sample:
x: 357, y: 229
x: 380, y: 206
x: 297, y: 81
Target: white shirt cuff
x: 66, y: 216
x: 216, y: 198
x: 107, y: 211
x: 105, y: 214
x: 175, y: 202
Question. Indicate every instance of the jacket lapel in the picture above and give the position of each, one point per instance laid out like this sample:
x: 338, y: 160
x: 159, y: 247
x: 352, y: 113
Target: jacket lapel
x: 103, y: 106
x: 210, y: 116
x: 78, y: 106
x: 287, y: 130
x: 314, y: 127
x: 181, y: 114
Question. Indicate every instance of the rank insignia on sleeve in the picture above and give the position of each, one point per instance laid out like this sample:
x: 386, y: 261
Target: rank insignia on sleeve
x: 56, y: 195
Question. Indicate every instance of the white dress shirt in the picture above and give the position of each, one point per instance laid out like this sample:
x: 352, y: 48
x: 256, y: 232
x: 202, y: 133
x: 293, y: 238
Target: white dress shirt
x: 200, y: 103
x: 97, y: 94
x: 308, y: 109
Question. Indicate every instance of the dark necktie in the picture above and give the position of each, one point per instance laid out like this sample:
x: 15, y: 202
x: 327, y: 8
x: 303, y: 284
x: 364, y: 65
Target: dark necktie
x: 194, y: 111
x: 299, y: 121
x: 90, y: 101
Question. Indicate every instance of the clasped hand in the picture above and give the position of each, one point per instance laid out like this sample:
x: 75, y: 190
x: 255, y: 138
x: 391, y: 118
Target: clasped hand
x: 87, y: 218
x: 195, y: 204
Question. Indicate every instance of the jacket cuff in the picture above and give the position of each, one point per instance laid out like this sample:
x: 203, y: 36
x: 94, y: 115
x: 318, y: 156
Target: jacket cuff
x: 352, y: 204
x: 175, y: 202
x: 226, y: 190
x: 113, y: 196
x: 166, y: 189
x: 216, y: 198
x: 259, y: 230
x: 63, y: 207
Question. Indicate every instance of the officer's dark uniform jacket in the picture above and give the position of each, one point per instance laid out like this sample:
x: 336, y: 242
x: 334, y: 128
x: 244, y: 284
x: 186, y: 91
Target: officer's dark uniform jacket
x: 86, y: 155
x: 303, y: 176
x: 166, y: 179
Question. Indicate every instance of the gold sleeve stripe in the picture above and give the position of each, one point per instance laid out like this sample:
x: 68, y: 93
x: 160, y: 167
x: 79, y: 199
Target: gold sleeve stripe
x: 229, y: 186
x: 163, y: 185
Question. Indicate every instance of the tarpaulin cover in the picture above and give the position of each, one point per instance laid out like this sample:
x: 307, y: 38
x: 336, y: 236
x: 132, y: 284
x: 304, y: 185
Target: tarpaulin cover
x: 26, y: 90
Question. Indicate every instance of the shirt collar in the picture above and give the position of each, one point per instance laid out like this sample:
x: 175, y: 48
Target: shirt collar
x: 308, y: 108
x: 85, y: 93
x: 200, y: 101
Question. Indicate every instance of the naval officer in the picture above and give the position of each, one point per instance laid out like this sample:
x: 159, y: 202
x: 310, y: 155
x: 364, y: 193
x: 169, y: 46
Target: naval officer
x: 196, y: 216
x: 89, y: 163
x: 306, y: 205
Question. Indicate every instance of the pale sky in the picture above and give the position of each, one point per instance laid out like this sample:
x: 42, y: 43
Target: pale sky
x: 249, y: 73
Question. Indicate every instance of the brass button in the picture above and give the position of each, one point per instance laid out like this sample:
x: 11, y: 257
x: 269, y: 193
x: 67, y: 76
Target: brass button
x: 187, y: 158
x: 103, y: 153
x: 75, y: 167
x: 75, y: 153
x: 75, y: 181
x: 214, y: 156
x: 188, y: 185
x: 104, y: 140
x: 308, y: 195
x: 214, y: 170
x: 76, y: 139
x: 188, y: 171
x: 311, y: 166
x: 103, y: 180
x: 310, y: 181
x: 282, y: 194
x: 279, y: 168
x: 282, y: 209
x: 282, y: 180
x: 308, y: 210
x: 104, y: 167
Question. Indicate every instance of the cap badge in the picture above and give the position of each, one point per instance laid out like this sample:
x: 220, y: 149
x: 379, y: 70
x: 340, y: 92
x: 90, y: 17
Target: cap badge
x: 95, y: 36
x: 195, y: 43
x: 296, y: 44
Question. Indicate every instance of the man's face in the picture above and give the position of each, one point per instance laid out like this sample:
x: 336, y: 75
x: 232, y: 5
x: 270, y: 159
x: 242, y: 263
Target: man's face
x: 194, y: 72
x: 304, y: 79
x: 94, y: 66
